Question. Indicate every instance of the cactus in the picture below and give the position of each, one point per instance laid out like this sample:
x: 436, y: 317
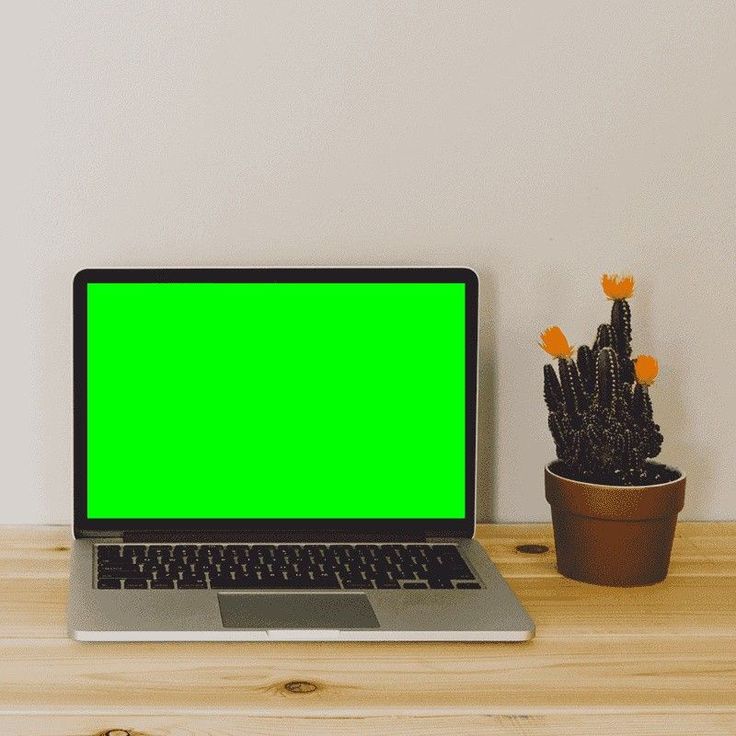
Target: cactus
x: 600, y: 411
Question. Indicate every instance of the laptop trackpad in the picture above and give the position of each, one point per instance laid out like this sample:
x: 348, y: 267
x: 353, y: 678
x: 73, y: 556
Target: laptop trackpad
x: 296, y: 611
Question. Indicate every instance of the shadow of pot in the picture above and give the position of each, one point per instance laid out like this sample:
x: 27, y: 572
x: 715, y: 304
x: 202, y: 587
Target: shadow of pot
x: 613, y: 535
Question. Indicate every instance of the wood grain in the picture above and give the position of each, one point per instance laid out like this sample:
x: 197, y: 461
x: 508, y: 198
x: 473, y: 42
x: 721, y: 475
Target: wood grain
x: 644, y: 661
x: 700, y: 724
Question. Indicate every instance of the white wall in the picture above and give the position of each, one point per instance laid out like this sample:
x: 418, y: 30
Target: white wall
x: 541, y: 143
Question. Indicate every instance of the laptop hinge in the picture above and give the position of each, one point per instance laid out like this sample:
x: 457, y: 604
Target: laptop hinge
x: 271, y: 535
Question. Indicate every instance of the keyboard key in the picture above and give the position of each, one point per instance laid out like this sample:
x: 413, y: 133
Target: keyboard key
x: 326, y: 582
x: 464, y: 585
x: 462, y: 574
x: 262, y: 550
x: 202, y: 566
x: 184, y: 550
x: 108, y: 583
x: 387, y: 584
x: 162, y: 584
x: 439, y: 583
x: 223, y: 581
x: 209, y: 550
x: 416, y: 585
x: 352, y: 583
x: 130, y: 573
x: 253, y: 582
x: 159, y: 550
x: 136, y: 584
x: 191, y: 584
x: 415, y: 551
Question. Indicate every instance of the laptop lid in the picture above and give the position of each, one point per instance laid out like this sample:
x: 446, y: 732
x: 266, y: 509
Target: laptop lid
x: 257, y: 402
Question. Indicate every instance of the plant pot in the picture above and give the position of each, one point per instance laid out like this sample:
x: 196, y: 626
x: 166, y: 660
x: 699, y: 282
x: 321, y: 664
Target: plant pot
x: 613, y: 535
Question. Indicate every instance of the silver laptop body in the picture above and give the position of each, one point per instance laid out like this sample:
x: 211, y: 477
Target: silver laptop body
x: 388, y: 586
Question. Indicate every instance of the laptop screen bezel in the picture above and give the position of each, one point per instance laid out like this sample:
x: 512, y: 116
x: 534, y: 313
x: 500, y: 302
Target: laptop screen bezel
x: 420, y: 527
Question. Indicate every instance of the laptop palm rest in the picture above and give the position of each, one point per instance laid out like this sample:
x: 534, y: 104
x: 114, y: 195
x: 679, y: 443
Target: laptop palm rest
x: 296, y: 611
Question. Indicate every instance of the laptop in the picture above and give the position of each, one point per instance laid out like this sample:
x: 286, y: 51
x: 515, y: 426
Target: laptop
x: 279, y: 454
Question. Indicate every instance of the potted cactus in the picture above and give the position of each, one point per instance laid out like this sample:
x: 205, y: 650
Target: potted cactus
x: 614, y: 510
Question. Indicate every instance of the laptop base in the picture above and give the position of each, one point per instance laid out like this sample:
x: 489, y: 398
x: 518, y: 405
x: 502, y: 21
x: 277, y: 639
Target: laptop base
x: 489, y: 614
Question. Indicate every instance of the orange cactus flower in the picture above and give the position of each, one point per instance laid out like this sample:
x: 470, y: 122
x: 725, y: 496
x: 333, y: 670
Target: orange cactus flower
x: 554, y: 342
x: 646, y: 369
x: 617, y: 287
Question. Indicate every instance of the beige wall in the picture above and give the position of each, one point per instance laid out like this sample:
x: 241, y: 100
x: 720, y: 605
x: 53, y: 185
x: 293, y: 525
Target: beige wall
x: 541, y: 143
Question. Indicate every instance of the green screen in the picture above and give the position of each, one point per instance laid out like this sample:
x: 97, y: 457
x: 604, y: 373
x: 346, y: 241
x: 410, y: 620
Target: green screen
x: 276, y: 401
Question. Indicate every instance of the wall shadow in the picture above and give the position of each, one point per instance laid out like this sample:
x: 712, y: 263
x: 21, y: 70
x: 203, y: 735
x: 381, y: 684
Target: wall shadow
x: 487, y: 398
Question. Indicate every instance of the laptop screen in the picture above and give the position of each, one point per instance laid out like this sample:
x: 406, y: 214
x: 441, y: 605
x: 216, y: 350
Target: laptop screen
x: 276, y: 400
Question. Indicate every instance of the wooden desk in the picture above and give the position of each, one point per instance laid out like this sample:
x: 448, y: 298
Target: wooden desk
x: 641, y: 661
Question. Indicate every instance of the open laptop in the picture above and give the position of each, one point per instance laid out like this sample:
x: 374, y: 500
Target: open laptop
x: 273, y: 454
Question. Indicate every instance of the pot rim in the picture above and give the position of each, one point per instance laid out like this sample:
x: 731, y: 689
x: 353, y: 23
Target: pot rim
x: 682, y: 476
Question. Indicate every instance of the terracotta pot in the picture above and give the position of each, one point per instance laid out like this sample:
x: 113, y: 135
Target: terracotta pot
x: 613, y: 535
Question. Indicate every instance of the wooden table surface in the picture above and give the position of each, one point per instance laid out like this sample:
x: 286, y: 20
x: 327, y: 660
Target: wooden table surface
x: 636, y: 661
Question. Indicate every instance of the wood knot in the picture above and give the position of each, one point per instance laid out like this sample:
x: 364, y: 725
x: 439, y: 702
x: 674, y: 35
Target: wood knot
x: 300, y: 687
x: 61, y: 548
x: 533, y: 549
x: 117, y: 732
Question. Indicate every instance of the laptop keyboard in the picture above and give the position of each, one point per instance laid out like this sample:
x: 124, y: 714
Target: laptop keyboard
x: 293, y: 566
